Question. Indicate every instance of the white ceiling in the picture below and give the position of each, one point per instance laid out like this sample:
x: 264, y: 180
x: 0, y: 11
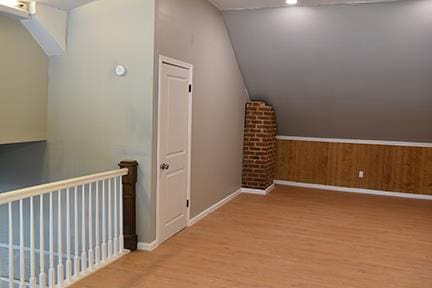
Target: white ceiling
x: 222, y: 4
x: 65, y: 4
x: 256, y: 4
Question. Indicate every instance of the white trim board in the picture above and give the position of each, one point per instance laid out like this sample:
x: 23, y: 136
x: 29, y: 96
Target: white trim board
x: 354, y: 190
x: 258, y: 191
x: 213, y: 208
x: 142, y: 246
x: 355, y: 141
x: 95, y: 269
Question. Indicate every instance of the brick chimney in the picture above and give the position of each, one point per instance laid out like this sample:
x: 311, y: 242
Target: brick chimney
x: 259, y: 155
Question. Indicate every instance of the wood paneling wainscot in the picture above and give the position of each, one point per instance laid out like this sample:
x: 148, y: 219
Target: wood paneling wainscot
x: 386, y: 167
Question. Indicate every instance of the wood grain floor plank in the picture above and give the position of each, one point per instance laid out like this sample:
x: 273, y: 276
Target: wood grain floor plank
x: 293, y: 237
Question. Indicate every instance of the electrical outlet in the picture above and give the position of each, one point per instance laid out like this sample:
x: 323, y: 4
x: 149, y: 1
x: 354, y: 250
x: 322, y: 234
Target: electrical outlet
x: 361, y: 174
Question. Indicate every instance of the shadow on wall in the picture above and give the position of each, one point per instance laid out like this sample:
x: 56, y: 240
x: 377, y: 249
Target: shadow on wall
x: 22, y: 165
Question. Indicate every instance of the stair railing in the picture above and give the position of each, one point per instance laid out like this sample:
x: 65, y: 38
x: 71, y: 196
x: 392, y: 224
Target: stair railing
x: 56, y: 234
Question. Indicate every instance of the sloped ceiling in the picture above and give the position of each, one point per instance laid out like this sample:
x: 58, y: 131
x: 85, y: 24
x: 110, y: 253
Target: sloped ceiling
x: 343, y: 71
x: 225, y: 5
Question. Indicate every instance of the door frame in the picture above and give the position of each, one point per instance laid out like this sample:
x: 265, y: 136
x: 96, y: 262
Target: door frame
x: 181, y: 64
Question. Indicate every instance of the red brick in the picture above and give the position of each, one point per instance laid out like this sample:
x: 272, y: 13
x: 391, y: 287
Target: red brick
x: 259, y: 145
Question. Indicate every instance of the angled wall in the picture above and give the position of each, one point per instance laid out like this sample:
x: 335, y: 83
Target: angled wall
x: 342, y: 71
x: 193, y: 31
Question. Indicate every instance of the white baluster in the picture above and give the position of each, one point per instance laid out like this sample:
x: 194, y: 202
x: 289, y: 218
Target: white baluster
x: 104, y: 242
x: 121, y: 237
x: 68, y: 238
x: 83, y: 232
x: 104, y: 248
x: 42, y: 275
x: 51, y: 270
x: 76, y: 258
x: 110, y: 244
x: 116, y: 244
x: 97, y: 249
x: 60, y: 268
x: 32, y: 279
x: 91, y: 251
x: 22, y: 261
x: 11, y: 249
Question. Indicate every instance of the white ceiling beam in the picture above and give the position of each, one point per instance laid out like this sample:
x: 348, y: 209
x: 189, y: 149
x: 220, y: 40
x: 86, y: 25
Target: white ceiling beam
x: 48, y: 27
x: 14, y: 12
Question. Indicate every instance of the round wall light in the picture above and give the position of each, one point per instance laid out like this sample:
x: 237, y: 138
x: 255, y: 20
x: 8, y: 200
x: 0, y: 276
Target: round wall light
x: 120, y: 70
x: 291, y: 2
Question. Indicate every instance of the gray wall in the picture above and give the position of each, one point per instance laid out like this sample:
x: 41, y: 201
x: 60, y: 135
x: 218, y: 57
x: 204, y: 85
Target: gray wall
x: 97, y: 119
x: 193, y: 31
x: 344, y: 71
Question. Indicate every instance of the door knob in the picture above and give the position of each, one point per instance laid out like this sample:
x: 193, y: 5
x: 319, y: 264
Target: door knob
x: 164, y: 166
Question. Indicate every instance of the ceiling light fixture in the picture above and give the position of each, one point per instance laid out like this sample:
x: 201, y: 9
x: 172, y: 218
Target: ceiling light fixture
x: 291, y: 2
x: 13, y: 4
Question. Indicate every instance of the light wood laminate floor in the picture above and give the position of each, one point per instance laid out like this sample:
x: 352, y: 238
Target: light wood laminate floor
x: 293, y: 237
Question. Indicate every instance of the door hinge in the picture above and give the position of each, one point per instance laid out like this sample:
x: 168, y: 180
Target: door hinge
x: 187, y: 203
x: 190, y: 88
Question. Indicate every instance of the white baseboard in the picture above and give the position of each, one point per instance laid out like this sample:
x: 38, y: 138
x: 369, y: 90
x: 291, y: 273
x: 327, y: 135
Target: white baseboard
x: 258, y: 191
x: 213, y: 208
x: 142, y: 246
x: 96, y: 269
x: 354, y: 190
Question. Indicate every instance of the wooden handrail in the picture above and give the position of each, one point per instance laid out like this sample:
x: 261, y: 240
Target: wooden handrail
x: 60, y: 185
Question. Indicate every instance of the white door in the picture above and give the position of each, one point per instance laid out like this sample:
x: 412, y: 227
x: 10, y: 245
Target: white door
x: 174, y: 134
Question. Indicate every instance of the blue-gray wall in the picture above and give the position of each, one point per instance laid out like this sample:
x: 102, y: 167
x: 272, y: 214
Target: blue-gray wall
x: 344, y: 71
x: 22, y: 165
x: 96, y: 119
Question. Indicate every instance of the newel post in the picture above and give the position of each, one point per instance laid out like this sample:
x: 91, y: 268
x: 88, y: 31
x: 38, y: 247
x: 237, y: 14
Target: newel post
x: 129, y: 201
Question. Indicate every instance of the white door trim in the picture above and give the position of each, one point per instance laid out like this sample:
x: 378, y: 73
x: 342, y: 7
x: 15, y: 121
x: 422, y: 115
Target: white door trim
x: 171, y: 61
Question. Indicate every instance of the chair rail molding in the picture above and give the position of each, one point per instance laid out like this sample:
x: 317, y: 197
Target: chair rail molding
x: 356, y: 141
